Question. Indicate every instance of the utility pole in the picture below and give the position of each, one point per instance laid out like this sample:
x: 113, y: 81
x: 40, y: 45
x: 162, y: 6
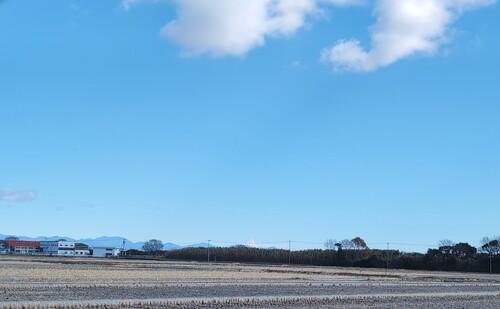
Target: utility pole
x: 208, y: 251
x: 387, y: 267
x: 289, y: 251
x: 123, y: 247
x: 491, y: 265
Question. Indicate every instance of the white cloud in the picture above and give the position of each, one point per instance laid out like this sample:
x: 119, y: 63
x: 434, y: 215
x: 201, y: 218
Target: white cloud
x: 12, y: 195
x: 234, y: 27
x: 403, y: 28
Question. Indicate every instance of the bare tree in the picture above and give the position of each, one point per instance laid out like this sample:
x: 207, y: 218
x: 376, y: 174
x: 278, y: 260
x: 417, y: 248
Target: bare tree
x: 446, y: 242
x: 330, y: 244
x: 491, y: 246
x: 446, y: 246
x: 152, y: 246
x: 347, y: 244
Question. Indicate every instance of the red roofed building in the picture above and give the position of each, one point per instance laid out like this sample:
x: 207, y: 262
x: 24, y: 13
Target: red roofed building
x: 22, y: 246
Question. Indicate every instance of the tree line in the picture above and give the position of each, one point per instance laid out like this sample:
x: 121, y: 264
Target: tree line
x: 449, y: 256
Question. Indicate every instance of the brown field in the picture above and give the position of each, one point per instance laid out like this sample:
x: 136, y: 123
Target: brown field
x: 43, y: 282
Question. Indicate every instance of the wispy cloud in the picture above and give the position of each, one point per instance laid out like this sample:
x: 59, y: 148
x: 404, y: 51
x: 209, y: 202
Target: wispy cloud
x: 403, y: 28
x: 13, y: 195
x: 128, y: 4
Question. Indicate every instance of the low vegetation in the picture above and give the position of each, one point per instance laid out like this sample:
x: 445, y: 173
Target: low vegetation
x: 84, y: 283
x: 459, y: 257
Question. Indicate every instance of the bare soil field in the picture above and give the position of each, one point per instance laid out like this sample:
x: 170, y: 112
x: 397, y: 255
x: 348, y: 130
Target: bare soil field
x: 50, y: 282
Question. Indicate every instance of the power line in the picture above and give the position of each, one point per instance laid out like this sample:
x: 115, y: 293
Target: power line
x: 307, y: 242
x: 416, y: 245
x: 287, y: 244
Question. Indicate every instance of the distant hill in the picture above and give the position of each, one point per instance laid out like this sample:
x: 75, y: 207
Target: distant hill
x: 199, y: 245
x: 170, y: 246
x: 255, y: 244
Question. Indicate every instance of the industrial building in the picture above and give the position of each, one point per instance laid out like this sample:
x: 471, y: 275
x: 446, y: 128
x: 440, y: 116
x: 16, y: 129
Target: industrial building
x: 16, y: 246
x: 61, y: 247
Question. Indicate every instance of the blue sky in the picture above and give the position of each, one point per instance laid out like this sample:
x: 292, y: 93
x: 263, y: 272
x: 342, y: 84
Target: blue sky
x: 270, y: 120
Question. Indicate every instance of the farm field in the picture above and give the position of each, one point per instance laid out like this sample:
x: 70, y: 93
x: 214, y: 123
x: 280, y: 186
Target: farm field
x: 43, y: 282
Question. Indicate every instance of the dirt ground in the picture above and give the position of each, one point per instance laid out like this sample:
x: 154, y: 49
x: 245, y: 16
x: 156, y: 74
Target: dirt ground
x: 50, y: 282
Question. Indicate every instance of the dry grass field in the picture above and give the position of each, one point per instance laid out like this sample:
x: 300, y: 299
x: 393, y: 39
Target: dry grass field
x: 43, y: 282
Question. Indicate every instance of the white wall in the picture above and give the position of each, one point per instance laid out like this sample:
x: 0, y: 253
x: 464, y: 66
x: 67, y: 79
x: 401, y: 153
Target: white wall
x: 105, y: 252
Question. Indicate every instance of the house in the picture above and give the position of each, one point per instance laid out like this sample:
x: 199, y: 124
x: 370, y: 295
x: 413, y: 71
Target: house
x: 4, y: 248
x: 23, y: 246
x: 82, y: 249
x: 60, y: 247
x: 106, y: 251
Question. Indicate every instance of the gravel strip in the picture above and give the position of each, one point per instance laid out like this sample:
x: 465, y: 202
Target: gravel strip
x: 483, y: 300
x: 78, y: 293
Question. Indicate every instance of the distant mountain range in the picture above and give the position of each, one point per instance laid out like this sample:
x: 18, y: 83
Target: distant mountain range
x: 104, y: 241
x: 117, y: 242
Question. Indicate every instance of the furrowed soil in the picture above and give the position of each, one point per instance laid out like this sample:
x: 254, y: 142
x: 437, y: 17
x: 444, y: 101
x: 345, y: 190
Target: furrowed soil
x: 50, y: 282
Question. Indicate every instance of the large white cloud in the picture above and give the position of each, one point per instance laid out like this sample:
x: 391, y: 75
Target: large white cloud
x: 234, y: 27
x: 13, y: 195
x: 403, y: 28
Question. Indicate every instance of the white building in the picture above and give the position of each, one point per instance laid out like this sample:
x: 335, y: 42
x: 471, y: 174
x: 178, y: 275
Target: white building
x: 82, y: 249
x: 60, y: 247
x: 106, y: 252
x: 66, y: 248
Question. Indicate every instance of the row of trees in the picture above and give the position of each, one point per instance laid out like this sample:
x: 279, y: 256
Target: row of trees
x: 449, y: 256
